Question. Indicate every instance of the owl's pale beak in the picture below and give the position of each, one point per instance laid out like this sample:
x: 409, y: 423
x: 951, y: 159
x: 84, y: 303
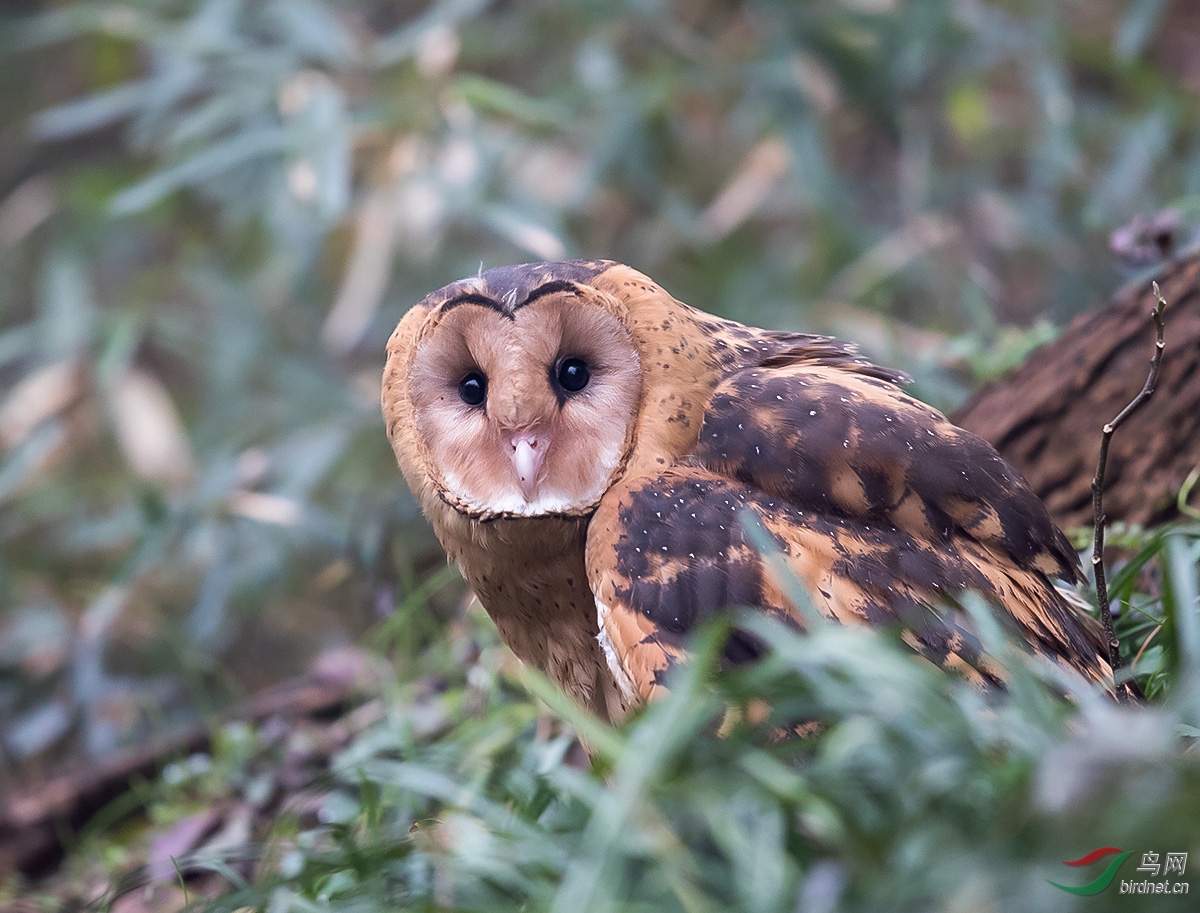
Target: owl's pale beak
x: 528, y: 451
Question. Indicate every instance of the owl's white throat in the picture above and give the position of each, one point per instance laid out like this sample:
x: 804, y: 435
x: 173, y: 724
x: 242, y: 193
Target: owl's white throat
x: 529, y: 494
x: 514, y: 503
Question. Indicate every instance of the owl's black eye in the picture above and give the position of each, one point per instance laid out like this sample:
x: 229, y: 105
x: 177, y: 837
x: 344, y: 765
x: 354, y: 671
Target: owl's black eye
x: 472, y: 389
x: 573, y: 374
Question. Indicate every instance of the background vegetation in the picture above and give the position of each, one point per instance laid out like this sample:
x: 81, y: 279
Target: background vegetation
x: 213, y: 212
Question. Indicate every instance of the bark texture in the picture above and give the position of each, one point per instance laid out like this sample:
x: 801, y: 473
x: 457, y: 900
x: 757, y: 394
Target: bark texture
x: 1046, y: 416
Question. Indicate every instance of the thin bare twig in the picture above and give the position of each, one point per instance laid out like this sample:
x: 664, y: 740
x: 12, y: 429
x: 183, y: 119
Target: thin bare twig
x: 1114, y: 645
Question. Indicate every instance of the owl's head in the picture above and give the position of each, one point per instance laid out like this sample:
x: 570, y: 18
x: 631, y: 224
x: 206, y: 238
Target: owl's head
x: 519, y: 390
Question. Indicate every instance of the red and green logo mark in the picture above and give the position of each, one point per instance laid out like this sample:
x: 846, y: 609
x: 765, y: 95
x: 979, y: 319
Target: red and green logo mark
x: 1106, y: 877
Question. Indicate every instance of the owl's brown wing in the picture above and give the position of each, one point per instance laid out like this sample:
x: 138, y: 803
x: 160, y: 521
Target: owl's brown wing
x: 857, y: 447
x: 878, y: 506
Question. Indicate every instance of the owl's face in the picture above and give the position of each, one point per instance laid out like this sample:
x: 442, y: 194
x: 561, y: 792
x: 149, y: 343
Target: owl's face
x: 525, y: 411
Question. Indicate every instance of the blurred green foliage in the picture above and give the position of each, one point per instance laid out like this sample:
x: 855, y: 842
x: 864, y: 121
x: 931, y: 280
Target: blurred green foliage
x: 212, y: 213
x: 918, y: 794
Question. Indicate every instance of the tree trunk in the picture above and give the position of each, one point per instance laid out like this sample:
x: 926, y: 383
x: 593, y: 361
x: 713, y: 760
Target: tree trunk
x: 1046, y: 416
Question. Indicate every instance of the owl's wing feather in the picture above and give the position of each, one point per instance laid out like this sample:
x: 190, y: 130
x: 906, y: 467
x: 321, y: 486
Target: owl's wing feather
x: 855, y: 446
x: 878, y: 506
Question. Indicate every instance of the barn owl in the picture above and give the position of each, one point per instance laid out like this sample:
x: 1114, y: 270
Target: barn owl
x: 590, y: 452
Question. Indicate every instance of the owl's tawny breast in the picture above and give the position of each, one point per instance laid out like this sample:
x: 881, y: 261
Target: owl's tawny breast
x: 529, y: 575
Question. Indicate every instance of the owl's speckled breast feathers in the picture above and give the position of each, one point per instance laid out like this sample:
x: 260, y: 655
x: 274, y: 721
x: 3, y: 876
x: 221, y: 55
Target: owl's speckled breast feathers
x: 589, y: 450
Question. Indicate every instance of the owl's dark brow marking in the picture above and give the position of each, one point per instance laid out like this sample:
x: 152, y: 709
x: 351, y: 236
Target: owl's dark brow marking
x: 475, y: 298
x: 548, y: 288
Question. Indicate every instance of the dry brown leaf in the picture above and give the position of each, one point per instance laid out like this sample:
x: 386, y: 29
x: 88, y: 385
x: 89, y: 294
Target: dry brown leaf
x: 747, y: 191
x: 149, y: 430
x: 45, y: 393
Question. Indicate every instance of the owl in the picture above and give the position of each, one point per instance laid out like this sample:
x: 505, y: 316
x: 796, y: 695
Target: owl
x: 593, y: 454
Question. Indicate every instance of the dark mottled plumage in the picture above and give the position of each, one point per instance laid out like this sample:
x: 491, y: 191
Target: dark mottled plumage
x: 690, y: 427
